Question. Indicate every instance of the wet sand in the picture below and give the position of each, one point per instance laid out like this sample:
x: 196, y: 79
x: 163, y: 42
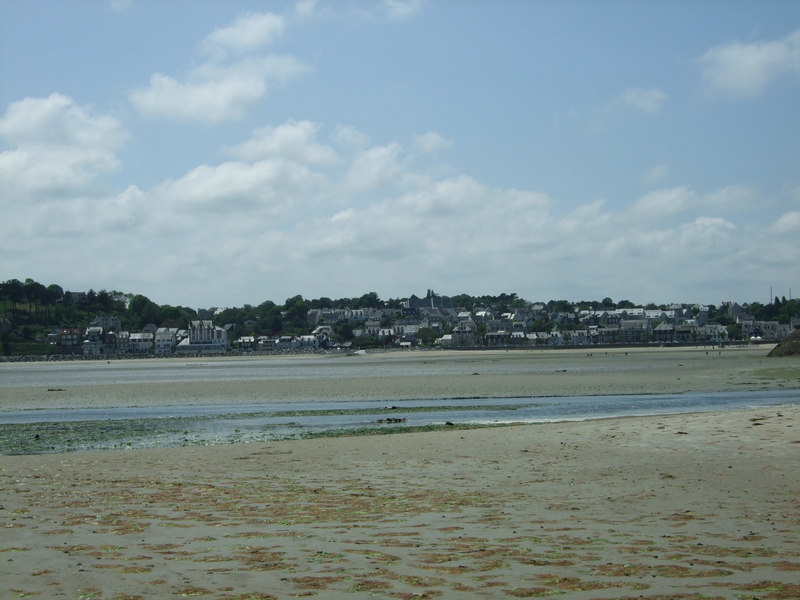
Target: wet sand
x: 680, y: 506
x: 471, y: 374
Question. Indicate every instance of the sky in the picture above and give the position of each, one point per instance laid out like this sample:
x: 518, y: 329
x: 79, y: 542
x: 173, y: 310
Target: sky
x: 207, y: 153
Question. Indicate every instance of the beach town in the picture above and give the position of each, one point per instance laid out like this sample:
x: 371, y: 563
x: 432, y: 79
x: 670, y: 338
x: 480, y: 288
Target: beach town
x: 432, y: 320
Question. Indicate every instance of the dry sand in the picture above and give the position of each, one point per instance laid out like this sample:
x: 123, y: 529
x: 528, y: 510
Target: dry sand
x: 681, y: 506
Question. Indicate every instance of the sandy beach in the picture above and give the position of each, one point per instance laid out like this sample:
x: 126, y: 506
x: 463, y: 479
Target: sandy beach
x: 680, y: 506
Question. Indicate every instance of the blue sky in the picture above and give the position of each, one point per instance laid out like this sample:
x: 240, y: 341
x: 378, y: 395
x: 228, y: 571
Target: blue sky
x: 209, y: 153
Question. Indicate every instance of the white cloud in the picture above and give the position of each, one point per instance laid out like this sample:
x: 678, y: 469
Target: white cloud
x: 675, y: 201
x: 291, y: 216
x: 250, y: 193
x: 294, y: 140
x: 705, y: 229
x: 375, y: 167
x: 431, y: 142
x: 248, y: 33
x: 787, y: 224
x: 732, y: 198
x: 213, y: 100
x: 648, y: 102
x: 120, y: 5
x: 305, y: 8
x: 444, y: 226
x: 633, y: 100
x: 656, y: 174
x: 343, y: 215
x: 745, y: 70
x: 213, y: 93
x: 665, y: 202
x: 59, y: 146
x: 349, y: 136
x: 57, y: 120
x: 220, y: 90
x: 401, y: 9
x: 445, y: 229
x: 392, y: 10
x: 712, y: 240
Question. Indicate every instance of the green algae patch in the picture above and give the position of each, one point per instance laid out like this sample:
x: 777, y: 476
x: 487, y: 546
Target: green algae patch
x: 170, y: 432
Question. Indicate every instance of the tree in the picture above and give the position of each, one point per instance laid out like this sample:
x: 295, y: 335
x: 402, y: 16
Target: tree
x: 734, y: 331
x: 463, y: 300
x: 266, y: 306
x: 540, y: 325
x: 343, y: 329
x: 370, y: 300
x: 15, y: 292
x: 4, y: 296
x: 53, y: 293
x: 91, y: 298
x: 562, y: 306
x: 294, y: 317
x: 137, y: 304
x: 34, y: 294
x: 173, y: 316
x: 141, y: 311
x: 322, y: 303
x: 65, y: 311
x: 426, y: 335
x: 104, y: 300
x: 273, y: 323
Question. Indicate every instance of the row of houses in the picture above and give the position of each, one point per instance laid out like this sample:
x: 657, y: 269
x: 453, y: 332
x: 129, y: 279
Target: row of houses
x: 483, y: 326
x: 453, y: 327
x: 626, y: 332
x: 201, y: 336
x: 318, y: 339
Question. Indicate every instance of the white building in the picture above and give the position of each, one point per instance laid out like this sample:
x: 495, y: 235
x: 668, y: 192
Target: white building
x: 123, y: 342
x: 107, y: 322
x: 277, y: 343
x: 713, y: 333
x: 93, y: 344
x: 577, y: 337
x: 140, y: 343
x: 204, y: 336
x: 165, y: 340
x: 309, y: 342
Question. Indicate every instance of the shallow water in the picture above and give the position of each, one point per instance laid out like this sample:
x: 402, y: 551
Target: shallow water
x: 83, y: 429
x: 465, y: 410
x: 34, y: 431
